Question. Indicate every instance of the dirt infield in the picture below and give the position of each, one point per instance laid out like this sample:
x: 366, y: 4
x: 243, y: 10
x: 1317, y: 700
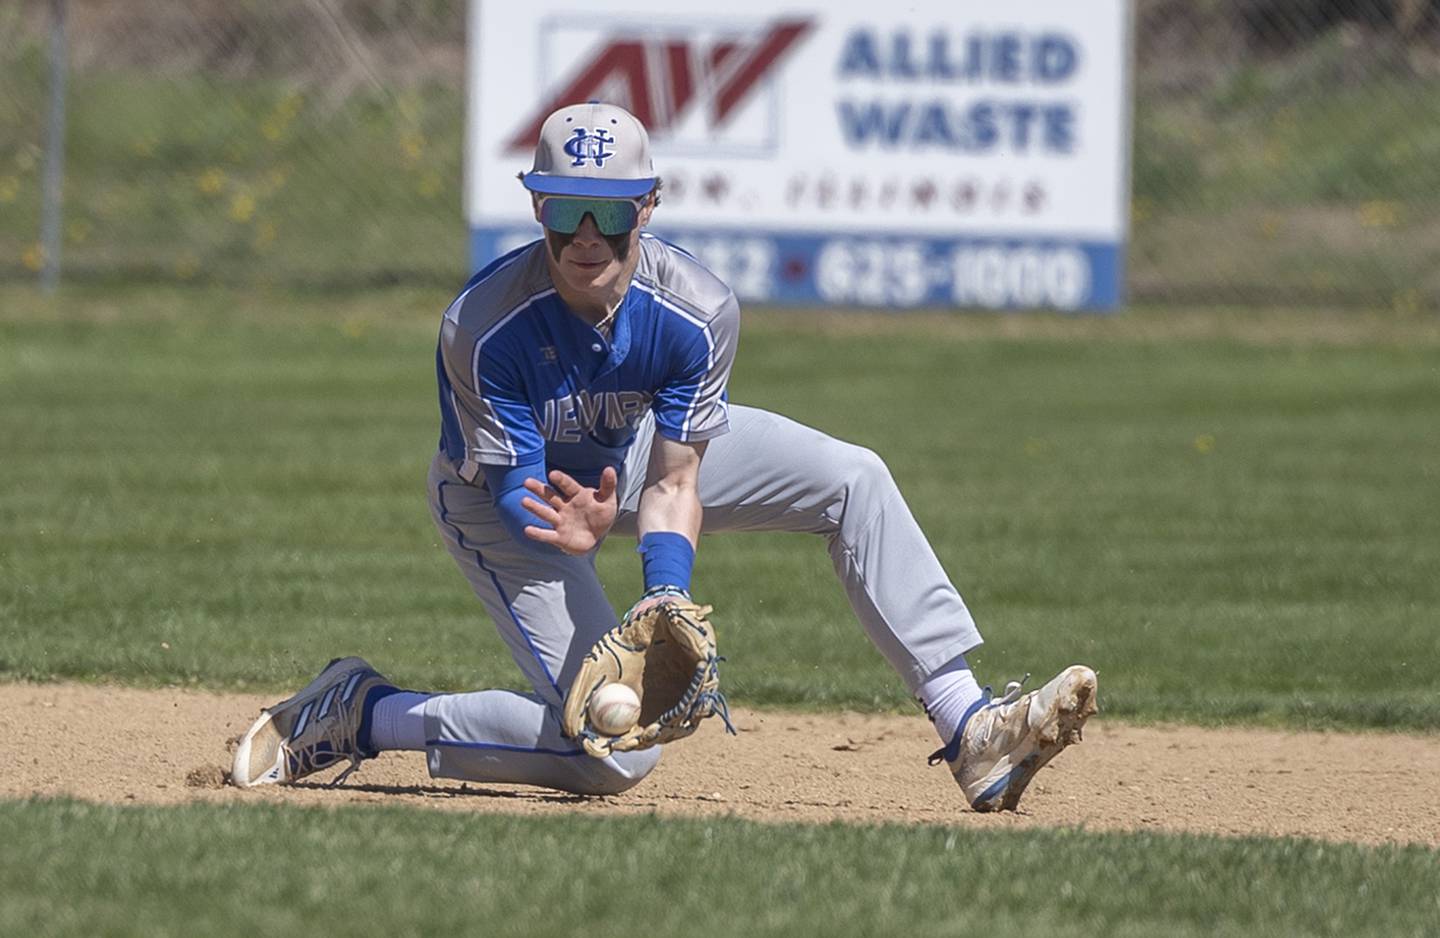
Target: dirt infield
x: 167, y: 746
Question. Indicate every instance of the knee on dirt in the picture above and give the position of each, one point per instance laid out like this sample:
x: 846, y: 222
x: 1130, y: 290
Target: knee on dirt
x: 621, y: 772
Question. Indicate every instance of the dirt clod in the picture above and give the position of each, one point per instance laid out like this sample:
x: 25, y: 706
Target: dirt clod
x: 206, y: 776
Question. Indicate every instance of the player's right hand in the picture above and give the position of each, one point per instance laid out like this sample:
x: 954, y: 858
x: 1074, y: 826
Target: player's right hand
x: 579, y: 516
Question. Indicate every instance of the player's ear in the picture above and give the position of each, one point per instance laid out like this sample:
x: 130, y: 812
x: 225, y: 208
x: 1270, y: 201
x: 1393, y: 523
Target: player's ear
x: 646, y: 211
x: 535, y: 205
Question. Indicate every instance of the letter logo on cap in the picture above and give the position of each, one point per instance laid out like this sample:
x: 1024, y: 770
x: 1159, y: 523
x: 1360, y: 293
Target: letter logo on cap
x: 589, y: 146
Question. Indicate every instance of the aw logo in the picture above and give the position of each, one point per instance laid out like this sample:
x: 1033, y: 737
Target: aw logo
x: 689, y: 85
x: 589, y: 146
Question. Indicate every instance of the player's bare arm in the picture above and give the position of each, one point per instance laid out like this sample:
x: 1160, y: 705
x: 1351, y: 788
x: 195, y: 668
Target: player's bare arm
x: 670, y: 500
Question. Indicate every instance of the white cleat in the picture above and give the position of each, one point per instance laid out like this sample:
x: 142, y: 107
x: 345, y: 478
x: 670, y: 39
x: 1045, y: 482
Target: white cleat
x: 314, y: 730
x: 1002, y: 743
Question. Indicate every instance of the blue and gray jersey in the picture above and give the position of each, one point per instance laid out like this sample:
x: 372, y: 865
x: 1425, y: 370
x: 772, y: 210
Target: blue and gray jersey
x: 523, y: 379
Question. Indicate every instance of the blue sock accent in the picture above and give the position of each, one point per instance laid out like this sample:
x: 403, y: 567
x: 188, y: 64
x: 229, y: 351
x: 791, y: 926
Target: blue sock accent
x: 667, y: 558
x: 367, y: 710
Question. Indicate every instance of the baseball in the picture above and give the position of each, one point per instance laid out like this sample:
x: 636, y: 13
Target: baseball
x: 614, y: 709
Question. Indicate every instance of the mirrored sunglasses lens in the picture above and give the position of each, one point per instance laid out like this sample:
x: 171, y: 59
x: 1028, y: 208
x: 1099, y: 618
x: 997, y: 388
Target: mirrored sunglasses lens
x: 612, y: 216
x: 562, y: 215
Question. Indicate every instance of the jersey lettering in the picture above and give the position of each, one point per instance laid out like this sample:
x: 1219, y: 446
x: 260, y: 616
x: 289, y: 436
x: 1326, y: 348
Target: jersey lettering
x: 565, y: 419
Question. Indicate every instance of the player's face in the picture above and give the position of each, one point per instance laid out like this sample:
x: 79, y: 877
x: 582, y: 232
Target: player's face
x: 588, y: 260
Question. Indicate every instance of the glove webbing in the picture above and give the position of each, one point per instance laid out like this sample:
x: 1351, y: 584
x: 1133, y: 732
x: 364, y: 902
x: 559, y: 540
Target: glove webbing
x: 693, y: 699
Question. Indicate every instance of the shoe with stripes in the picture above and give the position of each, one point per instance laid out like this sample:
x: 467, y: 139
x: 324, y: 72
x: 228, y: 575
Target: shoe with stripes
x: 1002, y: 743
x: 312, y: 731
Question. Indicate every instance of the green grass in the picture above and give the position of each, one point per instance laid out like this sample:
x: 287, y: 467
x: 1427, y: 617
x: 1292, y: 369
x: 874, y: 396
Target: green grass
x: 223, y: 488
x: 216, y: 180
x: 77, y: 869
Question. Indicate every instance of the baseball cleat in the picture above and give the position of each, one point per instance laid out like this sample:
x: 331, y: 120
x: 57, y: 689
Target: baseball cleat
x: 1002, y: 743
x: 314, y: 730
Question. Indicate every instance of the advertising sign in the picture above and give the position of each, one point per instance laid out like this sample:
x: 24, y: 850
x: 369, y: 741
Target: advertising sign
x: 957, y: 153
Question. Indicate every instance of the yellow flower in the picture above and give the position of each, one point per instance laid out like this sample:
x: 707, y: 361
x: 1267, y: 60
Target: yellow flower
x: 78, y: 232
x: 429, y: 184
x: 272, y: 127
x: 33, y: 258
x: 275, y: 179
x: 1269, y: 227
x: 1380, y: 213
x: 1204, y: 443
x: 1406, y: 302
x: 290, y: 105
x: 264, y: 235
x: 145, y: 146
x: 9, y: 188
x: 211, y: 181
x: 242, y: 207
x: 413, y: 146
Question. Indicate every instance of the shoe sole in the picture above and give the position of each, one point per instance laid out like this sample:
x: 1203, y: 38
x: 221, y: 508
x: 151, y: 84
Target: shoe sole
x: 262, y: 743
x: 1073, y: 710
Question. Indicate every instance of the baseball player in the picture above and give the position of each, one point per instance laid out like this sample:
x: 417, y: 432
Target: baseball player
x: 582, y: 389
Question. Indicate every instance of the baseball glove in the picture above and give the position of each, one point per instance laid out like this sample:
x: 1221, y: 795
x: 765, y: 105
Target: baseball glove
x: 665, y: 653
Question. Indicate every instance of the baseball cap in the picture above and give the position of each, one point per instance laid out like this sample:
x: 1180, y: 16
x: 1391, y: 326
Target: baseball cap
x: 597, y: 150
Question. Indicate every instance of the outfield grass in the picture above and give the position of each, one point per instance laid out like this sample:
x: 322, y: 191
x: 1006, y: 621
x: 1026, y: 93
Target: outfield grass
x: 220, y: 488
x: 73, y: 869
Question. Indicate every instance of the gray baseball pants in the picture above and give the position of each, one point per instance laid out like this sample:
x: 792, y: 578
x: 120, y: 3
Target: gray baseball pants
x: 768, y: 473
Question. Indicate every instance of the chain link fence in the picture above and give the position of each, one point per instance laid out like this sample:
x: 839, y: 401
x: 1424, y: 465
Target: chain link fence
x: 1286, y: 151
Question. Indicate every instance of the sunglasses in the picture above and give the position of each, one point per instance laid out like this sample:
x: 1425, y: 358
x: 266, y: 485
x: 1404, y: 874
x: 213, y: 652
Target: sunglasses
x: 563, y: 214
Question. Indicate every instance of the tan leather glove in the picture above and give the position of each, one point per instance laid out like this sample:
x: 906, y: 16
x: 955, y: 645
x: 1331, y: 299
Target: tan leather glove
x: 665, y: 653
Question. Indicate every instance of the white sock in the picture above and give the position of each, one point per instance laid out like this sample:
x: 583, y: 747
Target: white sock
x: 947, y: 694
x: 398, y: 721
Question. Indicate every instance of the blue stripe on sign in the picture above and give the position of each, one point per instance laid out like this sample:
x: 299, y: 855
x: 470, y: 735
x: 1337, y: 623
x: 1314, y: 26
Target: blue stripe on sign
x: 897, y: 269
x: 480, y: 562
x: 457, y: 744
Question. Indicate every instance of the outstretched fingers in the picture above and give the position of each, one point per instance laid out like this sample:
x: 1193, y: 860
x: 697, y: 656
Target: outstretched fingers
x: 544, y: 536
x: 541, y: 490
x: 544, y: 512
x: 564, y: 484
x: 608, y: 480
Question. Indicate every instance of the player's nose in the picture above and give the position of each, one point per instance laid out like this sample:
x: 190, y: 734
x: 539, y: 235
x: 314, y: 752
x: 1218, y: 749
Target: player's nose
x: 588, y: 232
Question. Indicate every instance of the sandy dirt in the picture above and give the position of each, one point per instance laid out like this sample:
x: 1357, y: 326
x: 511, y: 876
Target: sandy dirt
x: 123, y: 745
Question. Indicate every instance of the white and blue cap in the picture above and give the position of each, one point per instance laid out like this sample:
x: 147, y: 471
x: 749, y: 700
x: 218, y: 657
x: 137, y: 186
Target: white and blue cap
x: 597, y: 150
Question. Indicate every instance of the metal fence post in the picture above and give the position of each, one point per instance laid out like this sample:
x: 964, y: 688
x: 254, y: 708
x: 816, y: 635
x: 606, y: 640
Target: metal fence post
x: 50, y: 233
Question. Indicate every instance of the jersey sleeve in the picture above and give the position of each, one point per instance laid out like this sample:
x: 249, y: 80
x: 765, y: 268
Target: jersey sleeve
x: 487, y: 420
x: 691, y: 406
